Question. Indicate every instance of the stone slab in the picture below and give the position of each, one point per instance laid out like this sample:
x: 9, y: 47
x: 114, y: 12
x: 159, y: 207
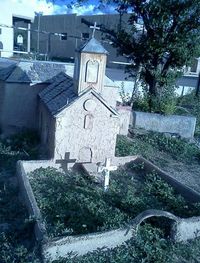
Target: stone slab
x: 175, y: 124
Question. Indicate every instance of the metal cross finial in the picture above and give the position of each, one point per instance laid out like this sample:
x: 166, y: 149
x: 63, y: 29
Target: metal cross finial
x: 94, y: 27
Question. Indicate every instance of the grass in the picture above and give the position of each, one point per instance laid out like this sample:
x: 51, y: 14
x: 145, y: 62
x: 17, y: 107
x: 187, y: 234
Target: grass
x: 74, y: 204
x: 152, y: 144
x: 17, y: 242
x: 190, y: 105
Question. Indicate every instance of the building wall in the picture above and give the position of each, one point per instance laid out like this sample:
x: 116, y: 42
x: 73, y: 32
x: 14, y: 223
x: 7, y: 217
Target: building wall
x: 73, y: 26
x: 110, y: 94
x: 19, y: 106
x: 46, y: 130
x: 8, y: 10
x: 82, y: 81
x: 71, y: 136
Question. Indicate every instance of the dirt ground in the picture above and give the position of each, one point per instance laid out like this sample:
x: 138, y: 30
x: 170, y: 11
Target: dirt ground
x: 185, y: 172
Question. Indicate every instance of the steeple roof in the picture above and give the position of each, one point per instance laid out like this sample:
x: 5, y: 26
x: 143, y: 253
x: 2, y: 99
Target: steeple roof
x: 93, y: 46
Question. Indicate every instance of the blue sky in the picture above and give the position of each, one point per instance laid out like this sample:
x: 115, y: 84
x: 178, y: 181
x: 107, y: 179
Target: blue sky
x: 61, y: 7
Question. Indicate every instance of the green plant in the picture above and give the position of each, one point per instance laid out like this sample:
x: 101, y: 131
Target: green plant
x: 26, y: 141
x: 73, y: 203
x: 191, y: 103
x: 15, y: 253
x: 17, y: 243
x: 125, y: 97
x: 151, y: 145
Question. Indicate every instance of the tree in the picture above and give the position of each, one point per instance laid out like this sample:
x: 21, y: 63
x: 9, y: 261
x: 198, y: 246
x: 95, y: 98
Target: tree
x: 166, y: 40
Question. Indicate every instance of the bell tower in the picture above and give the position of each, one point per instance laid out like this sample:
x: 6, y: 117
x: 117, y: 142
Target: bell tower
x: 90, y: 66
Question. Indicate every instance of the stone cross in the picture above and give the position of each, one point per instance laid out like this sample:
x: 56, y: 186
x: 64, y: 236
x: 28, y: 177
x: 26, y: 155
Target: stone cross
x: 105, y: 169
x: 64, y: 162
x: 94, y: 27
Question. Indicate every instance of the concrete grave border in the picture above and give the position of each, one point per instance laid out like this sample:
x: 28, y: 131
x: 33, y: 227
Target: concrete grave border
x: 172, y: 124
x: 182, y: 229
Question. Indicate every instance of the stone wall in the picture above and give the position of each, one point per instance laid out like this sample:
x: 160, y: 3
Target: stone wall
x: 110, y: 94
x: 46, y: 130
x: 125, y: 115
x: 182, y: 125
x: 19, y: 106
x: 99, y: 138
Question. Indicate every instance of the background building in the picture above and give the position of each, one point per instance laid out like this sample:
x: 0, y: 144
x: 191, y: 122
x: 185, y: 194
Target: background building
x: 14, y: 14
x: 73, y: 32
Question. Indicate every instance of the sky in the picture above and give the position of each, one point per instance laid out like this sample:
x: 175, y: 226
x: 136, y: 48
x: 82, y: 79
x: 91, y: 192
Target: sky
x: 61, y: 7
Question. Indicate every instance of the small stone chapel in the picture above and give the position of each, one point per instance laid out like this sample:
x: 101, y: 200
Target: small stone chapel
x: 77, y: 116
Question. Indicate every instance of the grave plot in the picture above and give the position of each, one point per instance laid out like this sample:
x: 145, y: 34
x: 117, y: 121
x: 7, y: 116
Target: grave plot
x: 175, y: 156
x: 73, y: 203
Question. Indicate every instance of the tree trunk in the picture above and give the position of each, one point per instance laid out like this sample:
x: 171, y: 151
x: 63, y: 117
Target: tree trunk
x: 151, y: 81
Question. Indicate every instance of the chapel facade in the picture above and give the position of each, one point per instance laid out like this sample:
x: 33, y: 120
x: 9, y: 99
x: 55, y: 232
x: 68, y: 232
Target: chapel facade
x: 77, y: 116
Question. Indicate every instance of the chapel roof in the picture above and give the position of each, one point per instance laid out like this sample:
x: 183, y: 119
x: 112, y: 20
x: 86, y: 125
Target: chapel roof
x: 60, y: 94
x: 93, y: 46
x: 37, y: 71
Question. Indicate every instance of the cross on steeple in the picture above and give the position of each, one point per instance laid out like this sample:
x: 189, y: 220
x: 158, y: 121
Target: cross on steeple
x: 94, y: 27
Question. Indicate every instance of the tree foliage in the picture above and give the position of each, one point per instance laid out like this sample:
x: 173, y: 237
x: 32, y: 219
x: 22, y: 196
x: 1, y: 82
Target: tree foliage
x: 161, y: 37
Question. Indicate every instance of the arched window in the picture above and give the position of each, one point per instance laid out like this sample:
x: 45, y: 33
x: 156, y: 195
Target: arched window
x: 92, y: 71
x: 88, y: 122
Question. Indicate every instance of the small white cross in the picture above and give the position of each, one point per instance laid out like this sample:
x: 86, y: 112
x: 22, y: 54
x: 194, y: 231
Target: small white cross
x: 106, y: 172
x: 94, y: 28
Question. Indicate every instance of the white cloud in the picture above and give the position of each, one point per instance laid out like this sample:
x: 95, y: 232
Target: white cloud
x: 37, y: 5
x: 82, y: 10
x: 47, y: 8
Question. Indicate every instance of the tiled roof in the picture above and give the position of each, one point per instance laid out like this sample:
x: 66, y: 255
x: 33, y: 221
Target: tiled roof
x: 37, y: 71
x: 60, y: 94
x: 31, y: 71
x: 93, y: 46
x: 6, y: 71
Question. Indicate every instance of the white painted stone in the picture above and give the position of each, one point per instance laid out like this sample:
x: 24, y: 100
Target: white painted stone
x: 92, y: 70
x: 106, y: 169
x: 188, y: 228
x: 86, y: 243
x: 90, y: 105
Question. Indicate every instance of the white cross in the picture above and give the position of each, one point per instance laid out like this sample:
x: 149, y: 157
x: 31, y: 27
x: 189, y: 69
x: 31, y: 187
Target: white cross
x: 105, y: 169
x: 94, y: 28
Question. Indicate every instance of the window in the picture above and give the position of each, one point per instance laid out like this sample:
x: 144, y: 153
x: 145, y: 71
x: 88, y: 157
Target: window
x: 63, y: 36
x: 85, y: 35
x: 92, y: 70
